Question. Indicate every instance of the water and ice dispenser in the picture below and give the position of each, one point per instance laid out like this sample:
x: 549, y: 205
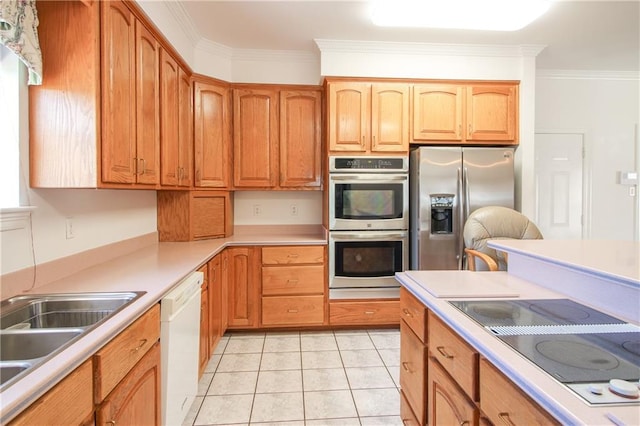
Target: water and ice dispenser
x: 441, y: 213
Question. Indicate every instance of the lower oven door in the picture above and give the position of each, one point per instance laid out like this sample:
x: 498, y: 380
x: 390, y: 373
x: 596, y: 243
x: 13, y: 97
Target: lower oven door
x: 363, y: 264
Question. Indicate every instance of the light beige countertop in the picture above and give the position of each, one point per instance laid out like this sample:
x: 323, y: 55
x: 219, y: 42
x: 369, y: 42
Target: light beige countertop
x: 155, y: 269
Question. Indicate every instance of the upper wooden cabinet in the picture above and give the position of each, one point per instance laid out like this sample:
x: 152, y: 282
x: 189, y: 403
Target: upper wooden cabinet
x: 476, y: 113
x: 368, y: 117
x: 276, y: 138
x: 212, y: 134
x: 176, y: 116
x: 95, y: 120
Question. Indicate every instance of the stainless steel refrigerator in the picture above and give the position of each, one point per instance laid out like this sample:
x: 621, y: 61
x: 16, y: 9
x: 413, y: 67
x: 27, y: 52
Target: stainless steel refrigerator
x: 446, y: 185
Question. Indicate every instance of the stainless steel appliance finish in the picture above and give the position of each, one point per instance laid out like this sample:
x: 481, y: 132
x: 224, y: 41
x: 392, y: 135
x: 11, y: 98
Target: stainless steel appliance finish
x: 592, y: 353
x: 368, y: 226
x: 362, y: 264
x: 368, y: 193
x: 446, y: 185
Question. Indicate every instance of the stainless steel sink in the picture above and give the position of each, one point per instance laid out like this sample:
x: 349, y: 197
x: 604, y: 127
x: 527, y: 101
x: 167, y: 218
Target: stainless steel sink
x: 35, y: 328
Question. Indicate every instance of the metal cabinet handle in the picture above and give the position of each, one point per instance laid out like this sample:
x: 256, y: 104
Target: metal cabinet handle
x: 369, y: 312
x: 144, y: 165
x: 505, y: 418
x: 111, y: 422
x: 407, y: 312
x: 294, y: 282
x: 293, y: 255
x: 470, y: 129
x: 292, y: 311
x: 405, y: 367
x: 142, y: 343
x: 443, y: 352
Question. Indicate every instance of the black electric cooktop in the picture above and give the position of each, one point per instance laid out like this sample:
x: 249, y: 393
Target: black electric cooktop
x: 594, y: 354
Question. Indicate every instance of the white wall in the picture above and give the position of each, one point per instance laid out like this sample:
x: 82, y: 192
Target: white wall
x: 606, y: 109
x: 275, y: 207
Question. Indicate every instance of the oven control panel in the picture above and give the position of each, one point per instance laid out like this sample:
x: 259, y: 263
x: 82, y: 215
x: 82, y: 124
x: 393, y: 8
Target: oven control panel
x: 368, y: 163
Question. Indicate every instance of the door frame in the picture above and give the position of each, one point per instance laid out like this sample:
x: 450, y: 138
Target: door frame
x: 586, y: 175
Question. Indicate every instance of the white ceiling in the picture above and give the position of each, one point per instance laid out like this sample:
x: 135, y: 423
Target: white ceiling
x: 579, y: 35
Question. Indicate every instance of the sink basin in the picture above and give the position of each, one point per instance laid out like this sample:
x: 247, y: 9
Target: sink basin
x: 32, y: 344
x: 61, y: 310
x: 35, y: 328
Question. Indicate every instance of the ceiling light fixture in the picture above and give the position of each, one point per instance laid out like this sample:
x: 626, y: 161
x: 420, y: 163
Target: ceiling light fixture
x: 491, y: 15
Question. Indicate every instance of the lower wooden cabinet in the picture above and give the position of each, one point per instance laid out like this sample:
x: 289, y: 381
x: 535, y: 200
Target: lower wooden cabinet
x: 203, y: 358
x: 406, y: 413
x: 293, y: 310
x: 136, y: 399
x: 413, y: 372
x: 243, y: 273
x: 448, y: 404
x: 74, y: 394
x: 364, y: 312
x: 512, y: 407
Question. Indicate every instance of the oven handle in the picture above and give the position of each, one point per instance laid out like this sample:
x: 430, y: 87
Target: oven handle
x: 367, y: 235
x: 369, y: 178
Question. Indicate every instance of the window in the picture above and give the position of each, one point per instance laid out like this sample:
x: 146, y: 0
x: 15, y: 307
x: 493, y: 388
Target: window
x: 12, y: 121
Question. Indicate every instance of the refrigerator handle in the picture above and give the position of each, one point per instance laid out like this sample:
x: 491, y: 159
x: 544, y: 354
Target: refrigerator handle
x: 466, y: 194
x: 458, y: 233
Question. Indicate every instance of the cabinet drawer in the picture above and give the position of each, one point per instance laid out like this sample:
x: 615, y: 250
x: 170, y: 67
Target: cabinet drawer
x: 115, y: 360
x: 292, y: 310
x: 513, y: 407
x: 406, y: 414
x: 69, y: 402
x: 364, y: 312
x: 291, y: 255
x: 282, y: 280
x: 414, y: 313
x: 458, y: 358
x: 413, y: 374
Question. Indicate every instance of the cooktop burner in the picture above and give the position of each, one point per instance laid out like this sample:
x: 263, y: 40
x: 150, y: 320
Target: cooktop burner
x: 594, y: 354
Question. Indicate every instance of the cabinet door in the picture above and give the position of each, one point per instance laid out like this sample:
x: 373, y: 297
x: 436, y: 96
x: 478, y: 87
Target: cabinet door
x: 215, y: 302
x: 349, y: 116
x: 389, y: 117
x: 136, y: 399
x: 224, y: 284
x: 212, y: 136
x: 185, y: 129
x: 413, y: 375
x: 437, y: 112
x: 147, y: 106
x: 169, y: 146
x: 118, y: 93
x: 448, y: 404
x: 255, y: 138
x: 492, y: 113
x: 244, y: 297
x: 204, y: 328
x: 300, y: 139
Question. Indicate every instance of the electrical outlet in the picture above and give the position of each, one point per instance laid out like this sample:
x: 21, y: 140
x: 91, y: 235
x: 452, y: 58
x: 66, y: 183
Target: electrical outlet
x: 69, y: 231
x: 257, y: 209
x: 293, y: 210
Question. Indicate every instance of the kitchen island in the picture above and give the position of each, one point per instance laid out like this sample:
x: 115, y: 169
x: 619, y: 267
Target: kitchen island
x: 601, y: 275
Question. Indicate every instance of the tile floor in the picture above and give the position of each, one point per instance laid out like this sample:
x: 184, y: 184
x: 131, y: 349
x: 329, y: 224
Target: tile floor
x: 302, y: 378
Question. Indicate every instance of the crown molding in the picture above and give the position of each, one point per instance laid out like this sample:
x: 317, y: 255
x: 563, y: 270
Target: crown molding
x: 397, y: 48
x: 554, y: 74
x: 183, y: 19
x: 213, y: 48
x: 261, y: 55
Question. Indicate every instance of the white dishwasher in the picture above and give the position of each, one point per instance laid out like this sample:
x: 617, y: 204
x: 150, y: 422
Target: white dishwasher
x: 179, y: 347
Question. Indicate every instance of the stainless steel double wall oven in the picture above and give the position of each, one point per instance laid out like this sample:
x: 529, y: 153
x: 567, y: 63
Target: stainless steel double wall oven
x: 368, y: 225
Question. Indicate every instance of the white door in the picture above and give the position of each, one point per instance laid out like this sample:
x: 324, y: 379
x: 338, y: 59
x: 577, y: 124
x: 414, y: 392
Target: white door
x: 558, y: 173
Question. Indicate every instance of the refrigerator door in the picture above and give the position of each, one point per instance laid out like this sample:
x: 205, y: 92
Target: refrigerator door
x: 488, y: 178
x: 435, y: 188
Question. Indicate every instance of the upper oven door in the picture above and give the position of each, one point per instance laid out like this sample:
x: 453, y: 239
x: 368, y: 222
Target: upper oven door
x: 368, y: 201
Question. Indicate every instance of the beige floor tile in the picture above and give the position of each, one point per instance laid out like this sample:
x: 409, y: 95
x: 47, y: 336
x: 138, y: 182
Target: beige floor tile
x: 282, y: 344
x: 381, y: 421
x: 203, y: 384
x: 213, y: 363
x: 329, y: 404
x: 349, y: 332
x: 377, y: 402
x: 193, y: 411
x: 324, y: 379
x: 246, y: 335
x: 270, y: 407
x: 390, y: 356
x: 368, y: 378
x: 293, y: 423
x: 395, y: 374
x: 386, y: 340
x: 352, y: 421
x: 280, y: 361
x: 361, y: 358
x: 318, y: 343
x: 244, y: 346
x: 279, y: 381
x: 239, y: 362
x: 321, y: 359
x: 350, y: 342
x: 219, y: 349
x: 225, y: 409
x: 233, y: 383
